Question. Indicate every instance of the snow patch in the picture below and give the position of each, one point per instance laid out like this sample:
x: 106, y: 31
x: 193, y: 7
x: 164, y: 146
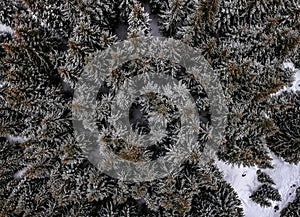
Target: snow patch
x: 20, y: 173
x: 153, y: 20
x: 244, y: 181
x: 4, y: 28
x: 289, y: 65
x: 15, y: 139
x: 296, y: 84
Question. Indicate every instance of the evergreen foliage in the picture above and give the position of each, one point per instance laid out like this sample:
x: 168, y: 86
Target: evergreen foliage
x: 245, y: 41
x: 293, y: 208
x: 265, y: 193
x: 264, y: 178
x: 9, y: 11
x: 138, y: 22
x: 286, y: 114
x: 124, y: 8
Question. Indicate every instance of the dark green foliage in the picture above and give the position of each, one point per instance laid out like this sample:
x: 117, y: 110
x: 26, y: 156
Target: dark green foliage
x: 157, y: 6
x: 85, y: 39
x: 195, y: 191
x: 264, y: 178
x: 4, y: 37
x: 9, y: 12
x: 124, y: 8
x: 246, y: 42
x: 10, y: 157
x: 174, y: 15
x: 222, y: 202
x: 285, y: 110
x: 54, y: 178
x: 265, y: 193
x: 293, y: 208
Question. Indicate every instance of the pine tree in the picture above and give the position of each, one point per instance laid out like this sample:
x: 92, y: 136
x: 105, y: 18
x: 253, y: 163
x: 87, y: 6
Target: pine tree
x: 124, y: 7
x: 52, y: 43
x: 4, y: 37
x: 85, y: 39
x: 10, y: 11
x: 285, y: 110
x: 174, y: 15
x: 245, y: 60
x: 264, y: 178
x: 138, y: 22
x: 199, y: 24
x: 10, y: 154
x: 293, y: 208
x: 265, y: 193
x: 156, y: 5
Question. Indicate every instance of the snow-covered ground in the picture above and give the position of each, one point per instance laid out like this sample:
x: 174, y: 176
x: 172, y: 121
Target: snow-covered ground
x: 285, y: 175
x: 4, y: 28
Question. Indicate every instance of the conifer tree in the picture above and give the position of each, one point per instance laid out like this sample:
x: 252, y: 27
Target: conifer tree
x: 10, y: 11
x: 293, y: 208
x: 125, y: 7
x: 265, y: 193
x: 285, y: 110
x: 174, y: 15
x: 138, y: 22
x: 264, y: 178
x: 85, y: 39
x: 52, y: 43
x: 245, y: 59
x: 156, y: 5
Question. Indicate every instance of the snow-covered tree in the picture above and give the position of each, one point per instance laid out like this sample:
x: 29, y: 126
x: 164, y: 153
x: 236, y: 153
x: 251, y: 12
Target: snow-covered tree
x: 264, y: 178
x: 293, y: 208
x: 174, y: 15
x: 286, y: 114
x: 265, y: 193
x: 245, y: 42
x: 138, y: 22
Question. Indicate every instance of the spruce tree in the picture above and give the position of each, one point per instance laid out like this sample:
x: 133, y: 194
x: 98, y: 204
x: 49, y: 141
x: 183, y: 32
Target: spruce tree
x: 246, y: 43
x: 264, y: 178
x: 293, y: 208
x: 173, y: 16
x: 138, y: 22
x: 265, y: 193
x: 285, y: 111
x: 125, y: 7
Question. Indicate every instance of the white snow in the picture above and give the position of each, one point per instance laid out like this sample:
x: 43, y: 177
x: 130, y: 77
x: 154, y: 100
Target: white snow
x: 153, y: 21
x: 4, y: 28
x: 284, y: 175
x: 21, y: 173
x: 15, y: 139
x: 296, y: 84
